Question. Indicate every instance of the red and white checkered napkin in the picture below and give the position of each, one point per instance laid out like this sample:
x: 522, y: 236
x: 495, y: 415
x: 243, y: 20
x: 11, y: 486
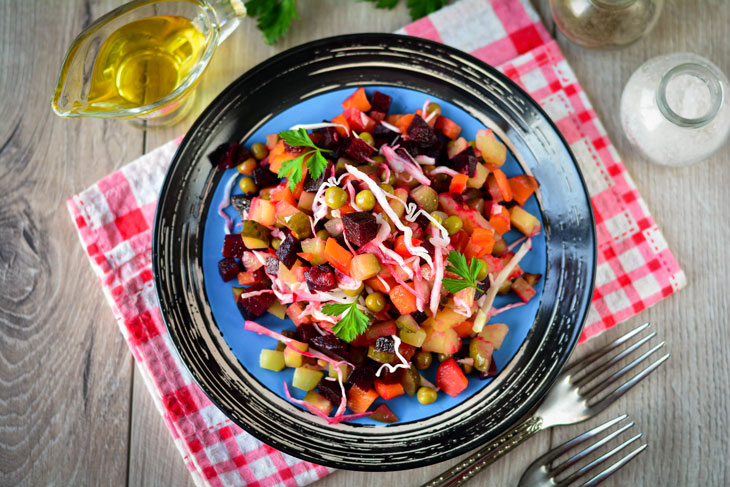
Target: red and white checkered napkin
x: 114, y: 219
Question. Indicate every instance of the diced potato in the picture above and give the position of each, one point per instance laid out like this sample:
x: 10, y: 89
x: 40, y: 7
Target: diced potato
x: 262, y: 211
x: 524, y: 221
x: 479, y: 178
x: 414, y: 338
x: 494, y: 333
x: 344, y: 368
x: 319, y: 401
x: 446, y: 342
x: 493, y: 151
x: 271, y: 360
x: 364, y: 266
x: 306, y: 379
x: 277, y: 309
x: 292, y: 358
x: 445, y: 319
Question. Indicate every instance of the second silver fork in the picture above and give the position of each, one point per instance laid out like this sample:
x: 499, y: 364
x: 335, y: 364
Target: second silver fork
x: 566, y: 403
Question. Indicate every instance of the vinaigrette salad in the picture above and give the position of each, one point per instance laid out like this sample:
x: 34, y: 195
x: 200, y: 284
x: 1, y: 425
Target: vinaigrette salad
x: 380, y: 236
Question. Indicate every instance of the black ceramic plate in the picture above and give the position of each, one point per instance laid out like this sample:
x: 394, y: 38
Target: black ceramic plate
x: 404, y: 63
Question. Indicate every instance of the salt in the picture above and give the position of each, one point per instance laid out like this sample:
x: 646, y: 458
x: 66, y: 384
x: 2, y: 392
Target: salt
x: 673, y: 109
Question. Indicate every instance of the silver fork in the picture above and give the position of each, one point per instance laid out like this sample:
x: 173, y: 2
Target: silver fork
x: 543, y: 473
x: 566, y: 403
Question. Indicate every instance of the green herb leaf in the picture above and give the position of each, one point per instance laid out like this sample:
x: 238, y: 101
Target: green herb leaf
x: 293, y: 169
x: 458, y: 266
x: 297, y: 138
x: 274, y: 16
x: 389, y: 4
x: 421, y: 8
x: 353, y: 321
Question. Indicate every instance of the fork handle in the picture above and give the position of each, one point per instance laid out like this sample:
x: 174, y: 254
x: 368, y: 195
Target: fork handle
x: 488, y: 454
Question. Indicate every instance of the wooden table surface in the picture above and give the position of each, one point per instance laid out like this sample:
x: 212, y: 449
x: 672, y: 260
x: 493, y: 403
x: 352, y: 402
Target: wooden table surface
x: 73, y: 408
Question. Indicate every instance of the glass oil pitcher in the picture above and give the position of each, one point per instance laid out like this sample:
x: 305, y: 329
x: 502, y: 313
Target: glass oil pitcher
x: 143, y: 60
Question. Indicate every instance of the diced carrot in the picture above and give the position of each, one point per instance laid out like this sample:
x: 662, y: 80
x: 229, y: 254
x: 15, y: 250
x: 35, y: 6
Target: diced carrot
x: 463, y: 329
x: 377, y: 285
x: 278, y: 155
x: 503, y: 184
x: 357, y: 100
x: 248, y: 278
x: 282, y: 193
x: 404, y: 122
x: 522, y: 187
x: 484, y: 238
x: 342, y: 121
x: 448, y: 127
x: 294, y: 312
x: 458, y: 183
x: 403, y: 299
x: 388, y: 391
x: 359, y: 400
x: 306, y: 256
x: 500, y: 219
x: 400, y: 246
x: 338, y: 256
x: 459, y: 240
x: 393, y: 118
x: 450, y: 378
x: 299, y: 188
x: 345, y: 209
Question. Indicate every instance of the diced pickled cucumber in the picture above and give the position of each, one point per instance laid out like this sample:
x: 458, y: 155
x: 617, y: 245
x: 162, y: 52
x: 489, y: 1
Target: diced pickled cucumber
x: 411, y: 381
x: 408, y: 323
x: 292, y: 358
x: 319, y: 401
x: 255, y: 235
x: 426, y: 197
x: 306, y: 379
x: 414, y: 339
x: 271, y: 360
x: 344, y: 368
x: 299, y: 225
x: 382, y: 357
x: 481, y: 352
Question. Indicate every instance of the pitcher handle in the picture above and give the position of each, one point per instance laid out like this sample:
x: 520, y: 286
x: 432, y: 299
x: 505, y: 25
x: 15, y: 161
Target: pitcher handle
x: 229, y: 14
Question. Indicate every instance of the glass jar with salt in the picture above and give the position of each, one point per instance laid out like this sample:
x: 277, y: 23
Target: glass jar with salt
x: 674, y: 109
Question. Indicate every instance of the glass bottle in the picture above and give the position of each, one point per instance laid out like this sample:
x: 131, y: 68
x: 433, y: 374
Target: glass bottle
x: 605, y: 23
x: 674, y: 109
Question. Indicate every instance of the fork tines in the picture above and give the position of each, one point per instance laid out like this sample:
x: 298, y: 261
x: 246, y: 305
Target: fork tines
x: 616, y: 454
x: 592, y: 366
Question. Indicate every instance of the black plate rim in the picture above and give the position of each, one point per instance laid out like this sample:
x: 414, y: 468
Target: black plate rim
x: 210, y: 114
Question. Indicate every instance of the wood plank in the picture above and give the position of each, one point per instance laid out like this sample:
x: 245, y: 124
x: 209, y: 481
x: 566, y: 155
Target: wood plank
x: 65, y: 369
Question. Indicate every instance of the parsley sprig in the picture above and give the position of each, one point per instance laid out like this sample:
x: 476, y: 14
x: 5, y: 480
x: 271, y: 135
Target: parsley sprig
x: 293, y: 169
x: 468, y: 274
x: 274, y: 16
x: 352, y: 323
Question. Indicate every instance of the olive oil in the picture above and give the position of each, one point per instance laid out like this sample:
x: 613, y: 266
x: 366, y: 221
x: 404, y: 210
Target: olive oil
x: 143, y: 62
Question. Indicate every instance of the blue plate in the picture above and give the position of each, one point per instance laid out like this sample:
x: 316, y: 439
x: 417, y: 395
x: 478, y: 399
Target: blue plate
x: 246, y: 345
x: 307, y: 84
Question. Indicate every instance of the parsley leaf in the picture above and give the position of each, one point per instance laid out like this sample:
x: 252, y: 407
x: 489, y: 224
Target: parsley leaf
x: 417, y: 8
x: 274, y: 16
x: 353, y: 321
x: 315, y: 161
x: 468, y: 274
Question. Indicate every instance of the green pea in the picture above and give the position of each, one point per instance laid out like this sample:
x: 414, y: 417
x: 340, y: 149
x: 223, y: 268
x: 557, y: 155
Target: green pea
x: 426, y: 395
x: 387, y: 188
x: 423, y: 360
x: 367, y: 138
x: 335, y: 197
x: 375, y: 302
x: 443, y: 356
x: 247, y: 185
x: 354, y: 292
x: 453, y: 224
x: 323, y: 234
x: 433, y: 108
x: 248, y: 166
x: 259, y: 151
x: 365, y: 199
x: 378, y: 159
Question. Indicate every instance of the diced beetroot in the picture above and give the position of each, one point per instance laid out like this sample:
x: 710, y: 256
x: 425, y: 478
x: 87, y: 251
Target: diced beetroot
x: 331, y: 390
x: 465, y: 162
x: 359, y: 150
x: 228, y: 269
x: 364, y: 375
x: 380, y: 102
x: 287, y: 251
x: 272, y: 266
x: 305, y: 332
x: 419, y: 316
x: 420, y: 133
x: 254, y: 306
x: 387, y: 377
x: 382, y: 329
x: 226, y: 156
x: 321, y: 278
x: 385, y: 344
x: 329, y: 138
x: 313, y: 185
x: 360, y: 227
x: 330, y: 345
x: 358, y: 121
x: 383, y: 414
x: 233, y: 246
x: 376, y: 115
x: 263, y: 177
x: 241, y: 204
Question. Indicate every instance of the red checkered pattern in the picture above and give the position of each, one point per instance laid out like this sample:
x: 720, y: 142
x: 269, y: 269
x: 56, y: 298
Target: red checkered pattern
x: 114, y: 219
